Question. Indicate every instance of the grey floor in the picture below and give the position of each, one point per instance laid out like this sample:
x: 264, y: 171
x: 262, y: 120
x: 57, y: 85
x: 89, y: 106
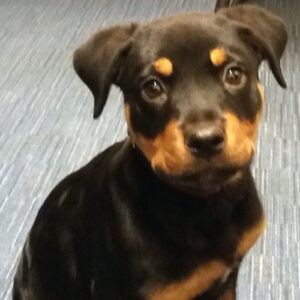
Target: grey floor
x: 47, y: 130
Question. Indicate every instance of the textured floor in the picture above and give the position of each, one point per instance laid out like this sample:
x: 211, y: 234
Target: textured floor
x: 47, y: 130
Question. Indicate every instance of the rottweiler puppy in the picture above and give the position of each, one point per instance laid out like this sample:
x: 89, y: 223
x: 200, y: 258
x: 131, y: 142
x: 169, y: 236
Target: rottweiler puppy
x: 170, y: 212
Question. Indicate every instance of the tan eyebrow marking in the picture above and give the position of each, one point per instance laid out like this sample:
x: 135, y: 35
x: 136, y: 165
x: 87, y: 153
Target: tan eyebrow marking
x: 218, y: 56
x: 163, y: 66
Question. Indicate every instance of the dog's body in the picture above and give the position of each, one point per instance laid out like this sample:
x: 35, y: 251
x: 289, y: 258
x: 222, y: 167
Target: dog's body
x: 95, y: 239
x: 169, y: 213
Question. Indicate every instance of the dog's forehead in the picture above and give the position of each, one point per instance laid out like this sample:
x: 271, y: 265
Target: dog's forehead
x: 184, y: 35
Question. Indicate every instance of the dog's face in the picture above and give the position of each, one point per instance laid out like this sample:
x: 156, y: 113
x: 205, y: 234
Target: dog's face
x: 192, y: 94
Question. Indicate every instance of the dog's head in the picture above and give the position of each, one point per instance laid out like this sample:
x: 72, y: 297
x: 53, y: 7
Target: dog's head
x: 192, y: 95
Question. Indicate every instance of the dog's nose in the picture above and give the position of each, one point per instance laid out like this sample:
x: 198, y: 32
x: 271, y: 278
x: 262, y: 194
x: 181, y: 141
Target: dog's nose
x: 206, y: 141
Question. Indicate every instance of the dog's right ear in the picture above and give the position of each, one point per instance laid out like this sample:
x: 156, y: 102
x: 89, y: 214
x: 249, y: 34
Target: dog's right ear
x: 263, y: 31
x: 97, y: 62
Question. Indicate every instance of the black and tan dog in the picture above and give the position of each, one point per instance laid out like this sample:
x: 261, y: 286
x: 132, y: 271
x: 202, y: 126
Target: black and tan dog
x: 169, y: 213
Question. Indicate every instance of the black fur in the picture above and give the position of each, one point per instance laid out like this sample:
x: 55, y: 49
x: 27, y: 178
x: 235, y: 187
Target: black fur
x: 116, y: 228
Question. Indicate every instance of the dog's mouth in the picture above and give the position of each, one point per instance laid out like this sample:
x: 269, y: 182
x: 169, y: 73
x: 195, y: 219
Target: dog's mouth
x: 204, y: 182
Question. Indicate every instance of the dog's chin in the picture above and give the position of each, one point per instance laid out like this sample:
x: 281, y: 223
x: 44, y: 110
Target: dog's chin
x: 204, y: 182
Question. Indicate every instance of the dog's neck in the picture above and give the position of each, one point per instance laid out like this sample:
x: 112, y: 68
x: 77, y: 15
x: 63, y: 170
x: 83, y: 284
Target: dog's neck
x: 150, y: 183
x: 172, y: 215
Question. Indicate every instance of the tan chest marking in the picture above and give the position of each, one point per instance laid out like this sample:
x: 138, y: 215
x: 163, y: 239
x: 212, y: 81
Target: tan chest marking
x: 197, y: 283
x: 202, y: 279
x: 249, y: 238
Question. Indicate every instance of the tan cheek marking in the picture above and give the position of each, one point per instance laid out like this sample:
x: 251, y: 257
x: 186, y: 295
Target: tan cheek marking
x: 240, y: 138
x: 249, y: 238
x: 192, y: 286
x: 218, y: 56
x: 167, y: 151
x: 241, y: 135
x: 163, y: 66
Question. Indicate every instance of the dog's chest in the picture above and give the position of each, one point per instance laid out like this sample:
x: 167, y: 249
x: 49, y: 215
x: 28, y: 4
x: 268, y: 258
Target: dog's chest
x: 207, y: 274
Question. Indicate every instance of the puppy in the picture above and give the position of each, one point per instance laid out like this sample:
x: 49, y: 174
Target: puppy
x: 170, y: 212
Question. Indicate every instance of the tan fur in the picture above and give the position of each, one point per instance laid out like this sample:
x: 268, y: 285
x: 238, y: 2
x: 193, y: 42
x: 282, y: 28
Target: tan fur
x: 167, y: 151
x: 163, y: 66
x: 241, y: 135
x: 240, y: 139
x: 260, y: 89
x: 204, y: 277
x: 249, y: 237
x: 218, y: 56
x: 192, y: 286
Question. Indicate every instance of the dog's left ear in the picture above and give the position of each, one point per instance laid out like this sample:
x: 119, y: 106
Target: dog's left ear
x: 264, y: 31
x: 99, y: 60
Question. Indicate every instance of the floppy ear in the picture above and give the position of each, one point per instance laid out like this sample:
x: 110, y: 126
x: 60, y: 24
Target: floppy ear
x: 97, y: 62
x: 264, y: 31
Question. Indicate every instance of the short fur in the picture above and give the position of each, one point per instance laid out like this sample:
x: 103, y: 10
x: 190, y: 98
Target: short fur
x: 169, y: 213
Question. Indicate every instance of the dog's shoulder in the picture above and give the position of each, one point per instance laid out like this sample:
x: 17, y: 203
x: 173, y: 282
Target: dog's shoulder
x: 73, y: 198
x: 65, y: 226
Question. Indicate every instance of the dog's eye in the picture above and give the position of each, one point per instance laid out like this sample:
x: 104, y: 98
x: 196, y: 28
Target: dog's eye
x: 234, y: 76
x: 152, y: 90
